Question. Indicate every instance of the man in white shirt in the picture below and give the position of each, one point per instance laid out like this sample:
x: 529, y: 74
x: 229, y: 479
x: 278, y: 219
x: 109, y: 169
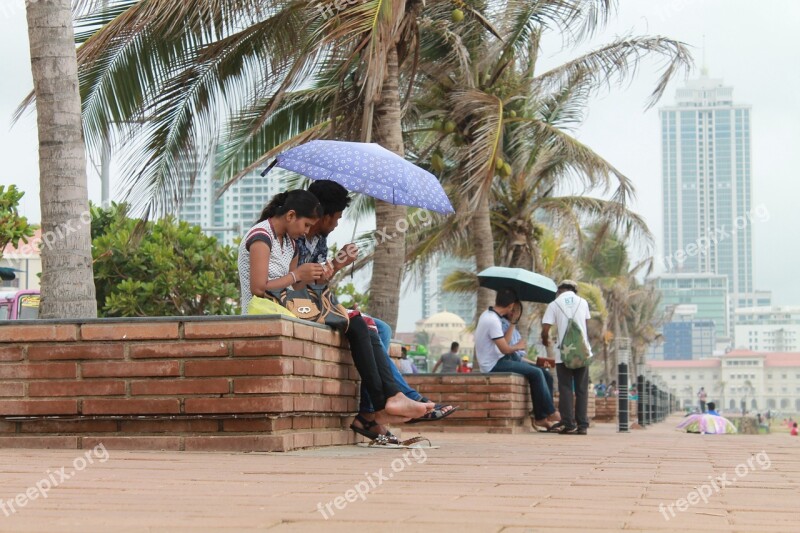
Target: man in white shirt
x: 494, y: 354
x: 569, y: 305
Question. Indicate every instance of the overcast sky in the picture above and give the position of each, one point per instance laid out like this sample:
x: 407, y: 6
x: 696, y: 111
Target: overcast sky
x: 752, y: 47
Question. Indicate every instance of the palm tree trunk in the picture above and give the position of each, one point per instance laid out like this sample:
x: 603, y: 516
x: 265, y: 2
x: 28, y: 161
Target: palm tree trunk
x: 390, y: 251
x: 484, y: 250
x: 522, y: 258
x: 67, y: 281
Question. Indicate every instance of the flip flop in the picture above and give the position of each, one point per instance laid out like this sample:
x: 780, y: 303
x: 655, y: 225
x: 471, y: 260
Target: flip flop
x: 434, y: 415
x: 414, y: 442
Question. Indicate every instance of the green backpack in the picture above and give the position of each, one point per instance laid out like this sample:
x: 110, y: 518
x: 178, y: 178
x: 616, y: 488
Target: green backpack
x: 574, y: 352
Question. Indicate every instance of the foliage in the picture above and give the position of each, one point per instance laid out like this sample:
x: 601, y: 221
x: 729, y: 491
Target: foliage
x: 13, y: 227
x: 423, y: 337
x: 172, y: 269
x: 348, y: 296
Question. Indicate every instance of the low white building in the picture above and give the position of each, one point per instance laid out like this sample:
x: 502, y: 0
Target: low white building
x: 26, y: 261
x: 768, y: 329
x: 760, y: 380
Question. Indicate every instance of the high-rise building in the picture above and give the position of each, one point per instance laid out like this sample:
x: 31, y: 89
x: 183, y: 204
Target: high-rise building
x: 435, y: 300
x: 686, y: 337
x: 707, y: 293
x: 229, y: 216
x: 768, y: 329
x: 707, y: 186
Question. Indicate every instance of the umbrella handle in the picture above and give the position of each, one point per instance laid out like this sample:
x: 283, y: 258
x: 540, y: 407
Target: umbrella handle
x: 274, y: 162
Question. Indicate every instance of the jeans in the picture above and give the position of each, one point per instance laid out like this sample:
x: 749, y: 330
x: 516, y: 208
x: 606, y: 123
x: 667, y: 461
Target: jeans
x: 375, y: 371
x: 539, y: 380
x: 384, y: 332
x: 377, y: 347
x: 570, y: 379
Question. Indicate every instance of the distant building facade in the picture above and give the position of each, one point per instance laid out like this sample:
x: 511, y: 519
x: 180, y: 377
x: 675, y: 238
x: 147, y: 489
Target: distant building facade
x: 228, y: 217
x: 435, y: 300
x: 26, y: 260
x: 759, y: 380
x: 707, y: 293
x: 686, y: 338
x: 768, y: 329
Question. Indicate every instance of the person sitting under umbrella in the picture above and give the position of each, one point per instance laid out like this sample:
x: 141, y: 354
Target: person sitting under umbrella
x: 268, y: 261
x: 313, y: 248
x: 496, y: 355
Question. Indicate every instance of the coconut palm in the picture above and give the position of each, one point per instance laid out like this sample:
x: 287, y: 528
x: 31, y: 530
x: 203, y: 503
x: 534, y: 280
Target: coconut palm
x: 171, y: 77
x: 632, y: 307
x: 499, y: 133
x: 67, y: 282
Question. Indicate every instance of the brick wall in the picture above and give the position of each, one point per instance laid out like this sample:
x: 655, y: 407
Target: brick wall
x: 206, y: 383
x: 490, y: 403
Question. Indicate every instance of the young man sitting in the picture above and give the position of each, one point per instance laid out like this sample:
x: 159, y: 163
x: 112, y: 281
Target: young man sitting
x: 496, y: 355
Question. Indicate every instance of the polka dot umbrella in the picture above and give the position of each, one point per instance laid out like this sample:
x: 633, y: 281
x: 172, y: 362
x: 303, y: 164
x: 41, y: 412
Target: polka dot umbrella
x: 367, y: 168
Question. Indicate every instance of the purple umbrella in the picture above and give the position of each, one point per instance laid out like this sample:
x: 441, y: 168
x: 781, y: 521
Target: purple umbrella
x: 370, y: 169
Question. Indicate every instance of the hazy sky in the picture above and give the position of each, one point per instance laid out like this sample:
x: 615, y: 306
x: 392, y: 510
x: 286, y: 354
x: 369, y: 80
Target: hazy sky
x: 752, y: 47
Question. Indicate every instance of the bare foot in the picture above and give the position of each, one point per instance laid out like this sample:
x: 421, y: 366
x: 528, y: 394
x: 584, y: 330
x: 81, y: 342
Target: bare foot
x: 400, y: 405
x: 383, y: 418
x: 555, y: 417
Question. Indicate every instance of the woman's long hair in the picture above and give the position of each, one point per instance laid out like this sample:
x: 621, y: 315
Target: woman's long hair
x: 300, y: 201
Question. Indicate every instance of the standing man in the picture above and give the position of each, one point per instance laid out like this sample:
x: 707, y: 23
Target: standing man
x: 568, y: 305
x: 448, y: 361
x: 701, y: 397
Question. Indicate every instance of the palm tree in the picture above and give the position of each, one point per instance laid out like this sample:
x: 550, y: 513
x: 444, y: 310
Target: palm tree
x: 172, y: 77
x: 632, y: 308
x: 498, y: 135
x: 67, y: 282
x: 164, y: 72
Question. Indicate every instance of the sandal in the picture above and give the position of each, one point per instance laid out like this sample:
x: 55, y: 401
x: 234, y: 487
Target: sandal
x: 435, y: 414
x: 556, y: 428
x: 364, y: 430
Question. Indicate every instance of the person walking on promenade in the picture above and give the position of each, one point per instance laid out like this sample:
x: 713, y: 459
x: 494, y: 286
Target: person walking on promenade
x: 701, y: 397
x: 448, y: 361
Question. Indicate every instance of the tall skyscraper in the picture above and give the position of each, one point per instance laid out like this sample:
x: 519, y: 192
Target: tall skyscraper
x: 707, y: 184
x: 231, y: 215
x: 435, y: 300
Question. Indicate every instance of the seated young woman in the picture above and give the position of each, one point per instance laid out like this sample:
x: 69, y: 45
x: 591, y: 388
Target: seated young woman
x: 268, y: 261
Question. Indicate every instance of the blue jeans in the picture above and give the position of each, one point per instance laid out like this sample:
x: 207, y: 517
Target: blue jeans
x: 539, y: 380
x: 384, y: 332
x: 402, y: 384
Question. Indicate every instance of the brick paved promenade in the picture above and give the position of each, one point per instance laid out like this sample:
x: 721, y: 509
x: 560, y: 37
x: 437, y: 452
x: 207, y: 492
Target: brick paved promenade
x: 474, y: 482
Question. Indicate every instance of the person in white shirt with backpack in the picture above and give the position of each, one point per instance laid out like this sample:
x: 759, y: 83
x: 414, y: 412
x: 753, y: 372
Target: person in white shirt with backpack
x: 570, y: 314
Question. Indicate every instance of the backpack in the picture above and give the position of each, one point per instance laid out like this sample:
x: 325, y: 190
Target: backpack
x: 574, y: 352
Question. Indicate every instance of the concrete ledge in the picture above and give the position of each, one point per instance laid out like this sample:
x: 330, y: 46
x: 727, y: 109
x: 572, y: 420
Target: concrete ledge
x: 488, y: 403
x: 264, y: 383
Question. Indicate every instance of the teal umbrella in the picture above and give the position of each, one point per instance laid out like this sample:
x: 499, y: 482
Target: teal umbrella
x: 7, y: 274
x: 529, y: 286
